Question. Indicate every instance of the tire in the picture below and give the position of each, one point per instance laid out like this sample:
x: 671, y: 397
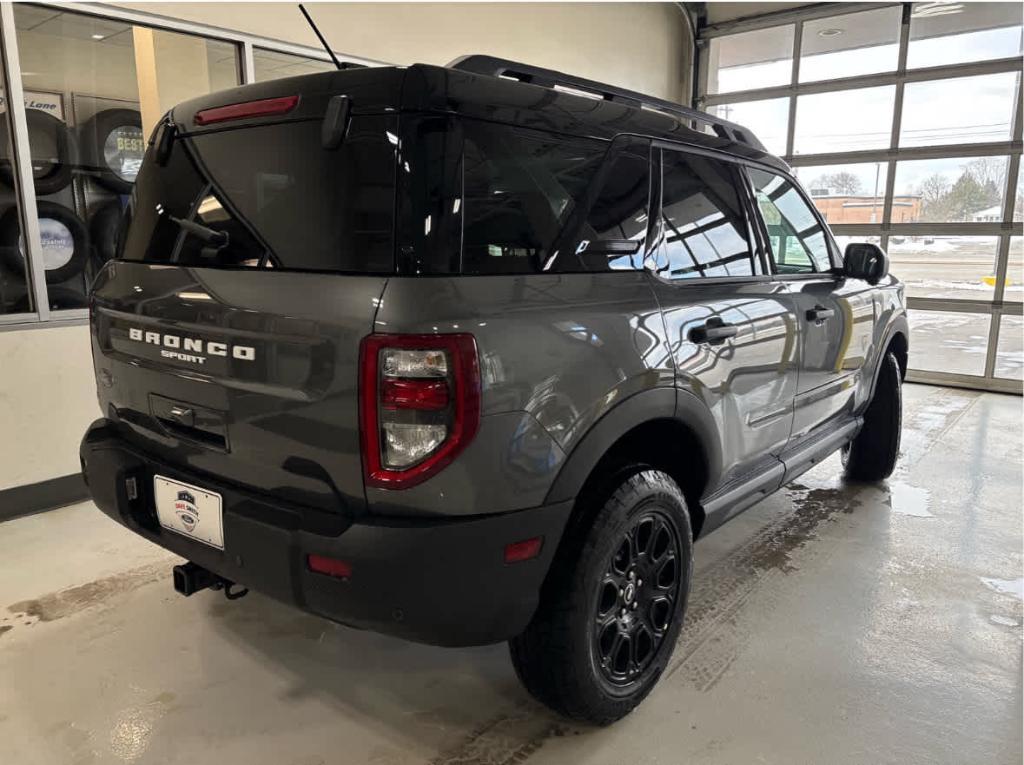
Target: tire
x: 115, y: 167
x: 51, y: 167
x: 565, y: 658
x: 65, y: 246
x: 103, y: 229
x: 871, y: 456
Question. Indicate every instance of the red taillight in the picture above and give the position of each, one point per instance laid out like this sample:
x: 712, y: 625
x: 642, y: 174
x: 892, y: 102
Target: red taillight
x: 266, y: 107
x: 321, y: 564
x: 524, y: 550
x: 427, y: 395
x: 419, y: 405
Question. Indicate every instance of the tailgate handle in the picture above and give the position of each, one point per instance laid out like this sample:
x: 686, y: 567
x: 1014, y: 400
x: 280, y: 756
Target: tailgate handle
x: 182, y: 414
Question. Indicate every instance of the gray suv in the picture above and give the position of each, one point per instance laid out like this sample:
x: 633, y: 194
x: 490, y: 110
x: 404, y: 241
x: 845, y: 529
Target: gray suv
x: 474, y: 353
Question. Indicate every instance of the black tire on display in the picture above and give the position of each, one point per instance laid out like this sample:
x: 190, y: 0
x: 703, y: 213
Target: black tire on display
x: 65, y: 242
x: 112, y: 147
x: 52, y: 152
x: 613, y: 605
x: 103, y: 229
x: 871, y: 456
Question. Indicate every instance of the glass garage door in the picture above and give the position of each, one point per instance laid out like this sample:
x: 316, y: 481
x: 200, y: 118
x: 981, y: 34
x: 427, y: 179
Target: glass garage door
x: 869, y: 107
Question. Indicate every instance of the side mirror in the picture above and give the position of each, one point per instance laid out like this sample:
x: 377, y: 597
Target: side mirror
x: 865, y: 261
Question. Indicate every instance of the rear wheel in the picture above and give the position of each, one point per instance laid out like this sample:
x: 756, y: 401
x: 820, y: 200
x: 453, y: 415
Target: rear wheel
x: 871, y: 456
x: 612, y: 610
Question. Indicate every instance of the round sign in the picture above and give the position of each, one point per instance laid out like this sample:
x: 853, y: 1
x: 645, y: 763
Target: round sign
x: 123, y: 150
x: 58, y: 244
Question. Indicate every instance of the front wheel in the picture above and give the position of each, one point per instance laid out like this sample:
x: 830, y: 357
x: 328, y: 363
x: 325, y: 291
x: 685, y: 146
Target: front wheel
x: 611, y: 613
x: 871, y: 456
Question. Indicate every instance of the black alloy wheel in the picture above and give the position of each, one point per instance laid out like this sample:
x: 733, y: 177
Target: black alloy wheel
x: 636, y: 598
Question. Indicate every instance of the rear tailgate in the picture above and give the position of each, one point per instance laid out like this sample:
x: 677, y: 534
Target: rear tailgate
x: 226, y: 337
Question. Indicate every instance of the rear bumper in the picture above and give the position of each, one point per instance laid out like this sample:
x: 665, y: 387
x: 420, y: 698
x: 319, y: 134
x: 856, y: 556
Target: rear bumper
x: 442, y: 581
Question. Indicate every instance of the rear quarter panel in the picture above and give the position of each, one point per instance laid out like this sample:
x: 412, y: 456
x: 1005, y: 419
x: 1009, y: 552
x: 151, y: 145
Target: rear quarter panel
x: 557, y: 352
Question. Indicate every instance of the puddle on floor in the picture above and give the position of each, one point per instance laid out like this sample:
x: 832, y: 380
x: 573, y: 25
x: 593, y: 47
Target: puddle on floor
x: 1013, y: 587
x: 905, y: 499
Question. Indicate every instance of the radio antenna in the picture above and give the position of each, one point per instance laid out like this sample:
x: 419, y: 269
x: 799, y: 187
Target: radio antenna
x: 320, y: 37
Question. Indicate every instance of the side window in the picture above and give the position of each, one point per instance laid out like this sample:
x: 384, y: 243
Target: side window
x: 610, y: 233
x: 704, y: 226
x: 798, y: 242
x: 519, y: 189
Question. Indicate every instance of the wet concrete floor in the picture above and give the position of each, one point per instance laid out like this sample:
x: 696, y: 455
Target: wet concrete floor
x: 831, y: 624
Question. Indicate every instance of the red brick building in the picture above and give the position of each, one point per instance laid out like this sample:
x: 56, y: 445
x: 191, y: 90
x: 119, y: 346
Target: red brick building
x: 864, y: 208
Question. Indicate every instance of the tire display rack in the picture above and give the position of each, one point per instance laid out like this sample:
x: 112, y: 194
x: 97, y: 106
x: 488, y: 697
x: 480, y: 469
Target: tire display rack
x: 83, y: 168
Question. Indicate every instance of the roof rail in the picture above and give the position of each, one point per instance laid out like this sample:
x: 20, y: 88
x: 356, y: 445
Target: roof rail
x: 549, y: 78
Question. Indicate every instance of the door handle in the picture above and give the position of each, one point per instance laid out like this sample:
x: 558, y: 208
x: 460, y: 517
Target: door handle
x: 820, y: 313
x: 713, y: 332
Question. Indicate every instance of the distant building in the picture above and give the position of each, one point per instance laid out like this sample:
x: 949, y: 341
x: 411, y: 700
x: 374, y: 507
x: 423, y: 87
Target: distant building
x: 989, y: 214
x: 864, y: 208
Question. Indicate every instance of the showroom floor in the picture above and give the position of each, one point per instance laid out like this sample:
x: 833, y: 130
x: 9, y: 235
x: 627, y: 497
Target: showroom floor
x: 831, y: 624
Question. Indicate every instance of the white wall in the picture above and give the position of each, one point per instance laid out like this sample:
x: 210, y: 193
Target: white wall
x: 47, y: 399
x: 643, y: 46
x: 47, y: 392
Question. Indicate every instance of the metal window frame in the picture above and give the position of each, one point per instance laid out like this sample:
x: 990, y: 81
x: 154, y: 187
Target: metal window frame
x: 25, y: 196
x: 901, y: 76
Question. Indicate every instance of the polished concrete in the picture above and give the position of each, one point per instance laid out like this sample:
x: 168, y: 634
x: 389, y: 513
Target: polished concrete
x: 831, y: 624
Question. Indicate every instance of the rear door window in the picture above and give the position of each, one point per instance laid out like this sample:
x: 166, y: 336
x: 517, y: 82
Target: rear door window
x: 271, y: 196
x: 704, y: 227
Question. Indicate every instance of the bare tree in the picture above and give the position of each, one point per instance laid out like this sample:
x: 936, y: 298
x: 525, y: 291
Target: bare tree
x: 842, y: 182
x: 933, y: 188
x: 987, y: 171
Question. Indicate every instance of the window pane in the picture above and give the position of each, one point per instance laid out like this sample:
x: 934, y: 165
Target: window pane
x: 768, y: 120
x: 797, y: 241
x: 704, y: 224
x: 1014, y: 288
x: 848, y: 120
x: 751, y: 60
x: 65, y: 56
x: 86, y: 126
x: 929, y: 119
x: 963, y: 32
x: 945, y: 266
x: 943, y: 341
x: 519, y: 188
x: 949, y: 190
x: 852, y: 44
x: 847, y: 193
x: 1010, y: 348
x: 272, y: 65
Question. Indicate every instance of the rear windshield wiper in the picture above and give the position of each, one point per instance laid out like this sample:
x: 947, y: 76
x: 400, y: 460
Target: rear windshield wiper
x: 218, y: 239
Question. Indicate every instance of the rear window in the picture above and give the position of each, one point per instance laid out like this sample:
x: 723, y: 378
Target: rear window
x: 270, y: 196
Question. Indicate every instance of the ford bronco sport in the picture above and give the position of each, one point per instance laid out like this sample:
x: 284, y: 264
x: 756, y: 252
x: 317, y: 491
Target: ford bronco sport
x: 475, y: 353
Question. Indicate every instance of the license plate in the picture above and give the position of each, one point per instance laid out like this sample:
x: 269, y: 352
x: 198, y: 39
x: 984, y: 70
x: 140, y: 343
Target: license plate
x: 189, y: 511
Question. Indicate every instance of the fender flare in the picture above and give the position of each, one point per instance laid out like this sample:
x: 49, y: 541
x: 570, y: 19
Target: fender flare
x: 898, y: 325
x: 673, y: 404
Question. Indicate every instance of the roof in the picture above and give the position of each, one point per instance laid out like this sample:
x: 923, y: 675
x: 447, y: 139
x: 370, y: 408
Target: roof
x: 428, y: 88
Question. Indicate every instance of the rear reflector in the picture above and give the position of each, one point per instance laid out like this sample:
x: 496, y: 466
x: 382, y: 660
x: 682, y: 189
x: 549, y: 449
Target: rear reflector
x: 321, y: 564
x: 525, y: 550
x: 266, y: 107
